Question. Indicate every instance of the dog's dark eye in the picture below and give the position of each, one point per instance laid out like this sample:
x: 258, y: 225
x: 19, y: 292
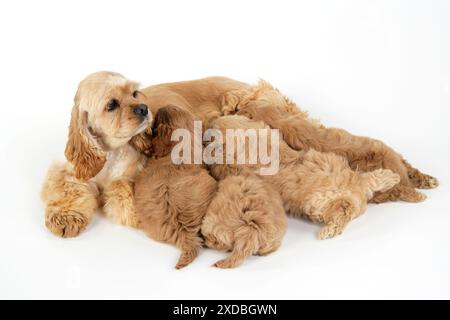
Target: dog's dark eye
x: 135, y: 94
x: 112, y: 104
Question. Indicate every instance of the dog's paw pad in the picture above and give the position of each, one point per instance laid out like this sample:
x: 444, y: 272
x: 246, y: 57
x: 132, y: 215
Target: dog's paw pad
x: 327, y: 232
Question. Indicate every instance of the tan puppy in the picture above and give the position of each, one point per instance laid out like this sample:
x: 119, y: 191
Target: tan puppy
x: 171, y: 199
x: 108, y: 112
x: 245, y: 217
x: 325, y: 189
x: 321, y: 186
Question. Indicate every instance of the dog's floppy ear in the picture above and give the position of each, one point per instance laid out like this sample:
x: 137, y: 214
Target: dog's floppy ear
x: 82, y: 151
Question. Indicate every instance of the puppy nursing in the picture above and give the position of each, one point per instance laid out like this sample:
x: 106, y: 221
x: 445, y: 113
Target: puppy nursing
x: 245, y: 217
x: 321, y: 186
x: 175, y: 201
x: 325, y: 189
x: 171, y: 199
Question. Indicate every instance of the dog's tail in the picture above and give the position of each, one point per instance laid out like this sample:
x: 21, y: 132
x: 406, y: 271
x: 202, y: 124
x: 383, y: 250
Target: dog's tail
x: 246, y: 244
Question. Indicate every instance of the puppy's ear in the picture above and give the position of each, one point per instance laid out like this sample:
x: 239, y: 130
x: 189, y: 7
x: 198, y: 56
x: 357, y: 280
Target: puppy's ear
x: 86, y: 156
x: 167, y: 120
x: 143, y: 142
x: 162, y: 143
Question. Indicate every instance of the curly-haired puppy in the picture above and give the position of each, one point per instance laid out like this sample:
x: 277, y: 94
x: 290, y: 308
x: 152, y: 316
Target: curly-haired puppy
x: 171, y: 199
x: 108, y: 114
x: 263, y: 102
x: 321, y: 186
x: 245, y: 217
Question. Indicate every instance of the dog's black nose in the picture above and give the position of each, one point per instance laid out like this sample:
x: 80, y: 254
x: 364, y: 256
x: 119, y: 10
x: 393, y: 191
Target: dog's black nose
x: 141, y: 110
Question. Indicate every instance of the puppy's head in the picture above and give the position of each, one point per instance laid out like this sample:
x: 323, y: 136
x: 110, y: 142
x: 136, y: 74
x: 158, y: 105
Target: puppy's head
x: 167, y: 120
x: 108, y: 112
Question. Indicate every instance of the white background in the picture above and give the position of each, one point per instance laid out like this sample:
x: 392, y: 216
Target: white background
x: 378, y: 68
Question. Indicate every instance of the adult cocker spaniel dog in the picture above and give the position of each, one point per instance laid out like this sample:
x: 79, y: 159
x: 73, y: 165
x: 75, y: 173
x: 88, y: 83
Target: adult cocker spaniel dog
x: 108, y: 112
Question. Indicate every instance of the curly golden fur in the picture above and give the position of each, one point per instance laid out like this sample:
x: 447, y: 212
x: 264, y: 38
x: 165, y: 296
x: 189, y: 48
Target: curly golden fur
x: 321, y: 186
x: 246, y: 217
x: 265, y: 103
x: 108, y: 113
x: 171, y: 199
x: 70, y: 203
x: 212, y: 97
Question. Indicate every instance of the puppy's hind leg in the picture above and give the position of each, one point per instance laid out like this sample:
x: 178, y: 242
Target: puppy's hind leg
x: 246, y: 244
x: 189, y: 243
x: 404, y: 190
x: 418, y: 179
x: 399, y: 192
x: 336, y: 218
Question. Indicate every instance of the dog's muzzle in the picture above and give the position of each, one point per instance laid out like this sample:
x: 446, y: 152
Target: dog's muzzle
x: 141, y: 110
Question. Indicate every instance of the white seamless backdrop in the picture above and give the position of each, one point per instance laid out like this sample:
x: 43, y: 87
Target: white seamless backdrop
x: 376, y: 68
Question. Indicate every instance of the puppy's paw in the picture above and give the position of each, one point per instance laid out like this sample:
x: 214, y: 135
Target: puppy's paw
x: 415, y: 197
x: 224, y: 264
x: 432, y: 182
x: 427, y: 182
x: 186, y: 258
x: 328, y: 232
x: 181, y: 265
x: 422, y: 181
x: 399, y: 192
x: 65, y: 224
x: 409, y: 194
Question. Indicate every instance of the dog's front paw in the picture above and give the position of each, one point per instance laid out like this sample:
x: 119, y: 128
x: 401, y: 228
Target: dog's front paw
x: 65, y: 224
x: 119, y: 205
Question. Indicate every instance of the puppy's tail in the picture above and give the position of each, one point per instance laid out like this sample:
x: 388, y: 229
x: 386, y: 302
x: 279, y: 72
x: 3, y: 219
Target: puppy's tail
x: 188, y: 243
x: 246, y: 244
